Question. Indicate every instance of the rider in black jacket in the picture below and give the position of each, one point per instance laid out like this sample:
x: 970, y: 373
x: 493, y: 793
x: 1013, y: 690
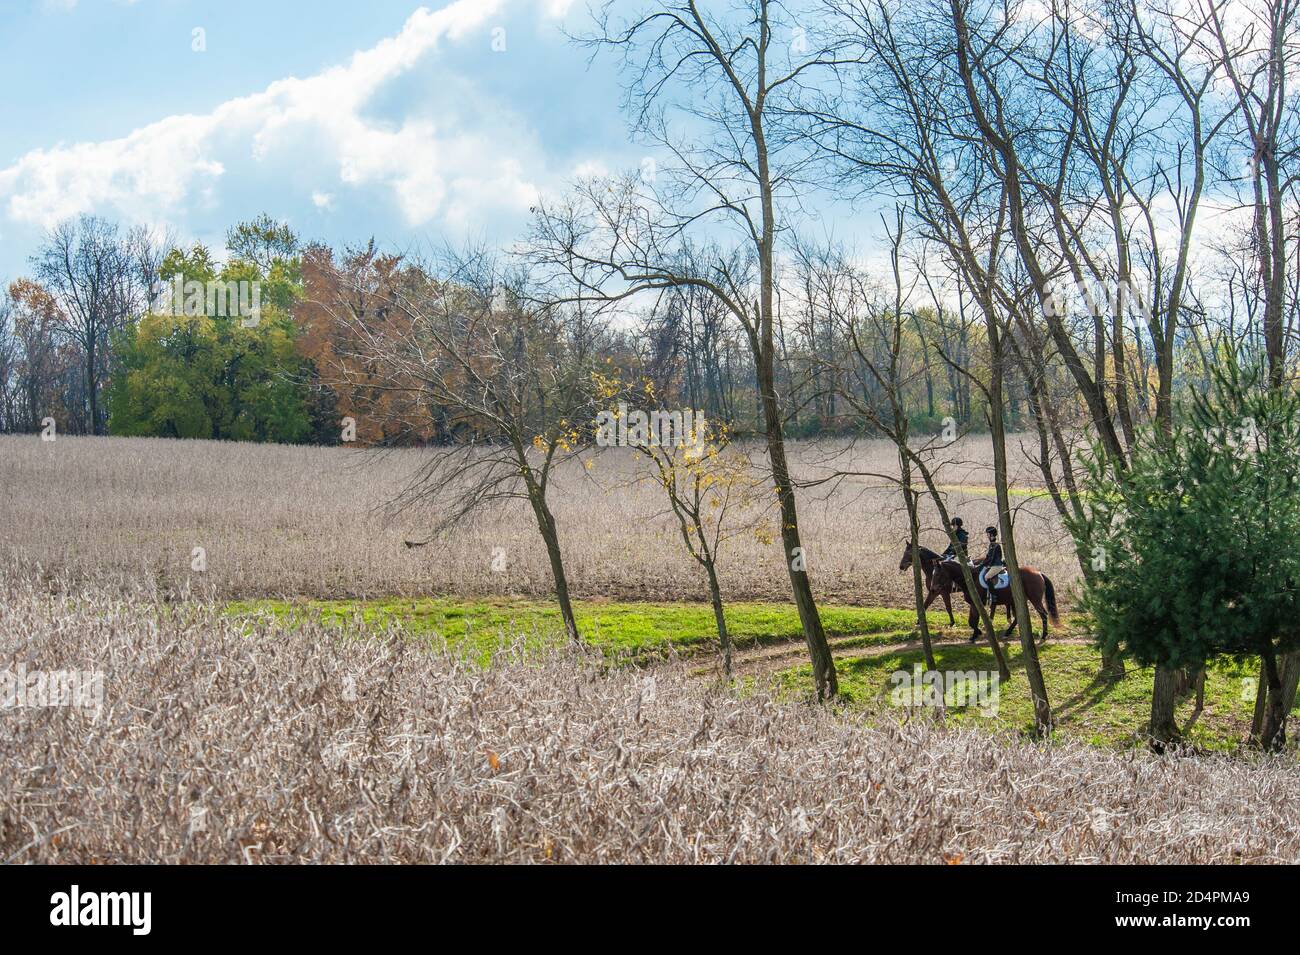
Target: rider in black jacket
x: 991, y: 563
x: 958, y: 532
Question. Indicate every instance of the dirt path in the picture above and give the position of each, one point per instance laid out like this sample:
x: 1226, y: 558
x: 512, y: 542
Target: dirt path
x: 759, y: 661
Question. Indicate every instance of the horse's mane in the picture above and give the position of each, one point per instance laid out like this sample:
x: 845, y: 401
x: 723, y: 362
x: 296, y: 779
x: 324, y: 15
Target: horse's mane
x: 952, y: 570
x: 927, y: 554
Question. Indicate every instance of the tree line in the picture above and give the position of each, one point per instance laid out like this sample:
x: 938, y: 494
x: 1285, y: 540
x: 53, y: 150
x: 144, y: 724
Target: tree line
x: 90, y: 339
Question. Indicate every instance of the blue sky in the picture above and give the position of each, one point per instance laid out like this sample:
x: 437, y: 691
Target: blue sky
x: 346, y: 119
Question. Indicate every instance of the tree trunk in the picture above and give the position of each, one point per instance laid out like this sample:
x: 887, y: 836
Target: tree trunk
x: 724, y: 636
x: 546, y: 524
x: 763, y: 345
x: 1261, y: 702
x: 1272, y: 736
x: 1037, y: 685
x: 92, y: 393
x: 1112, y: 665
x: 819, y: 651
x: 1163, y: 729
x: 918, y: 591
x: 1290, y: 681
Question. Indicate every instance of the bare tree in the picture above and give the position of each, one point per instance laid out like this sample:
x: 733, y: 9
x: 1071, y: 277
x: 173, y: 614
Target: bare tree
x: 99, y: 277
x: 875, y: 371
x: 9, y: 357
x: 1258, y: 42
x: 730, y: 78
x: 984, y: 36
x: 714, y: 496
x: 920, y: 134
x: 513, y: 381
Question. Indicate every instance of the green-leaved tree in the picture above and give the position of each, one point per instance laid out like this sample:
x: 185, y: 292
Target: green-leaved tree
x: 1197, y: 549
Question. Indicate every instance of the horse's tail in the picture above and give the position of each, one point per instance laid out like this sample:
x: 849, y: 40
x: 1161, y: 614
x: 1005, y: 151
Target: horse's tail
x: 1051, y: 599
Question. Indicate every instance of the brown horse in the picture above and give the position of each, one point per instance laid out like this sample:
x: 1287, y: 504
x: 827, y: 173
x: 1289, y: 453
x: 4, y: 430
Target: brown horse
x: 1038, y: 586
x: 929, y: 560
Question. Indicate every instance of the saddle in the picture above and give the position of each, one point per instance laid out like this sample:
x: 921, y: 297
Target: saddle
x: 1002, y: 580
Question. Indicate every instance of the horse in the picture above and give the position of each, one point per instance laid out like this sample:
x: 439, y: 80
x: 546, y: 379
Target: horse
x: 1037, y: 586
x: 929, y: 560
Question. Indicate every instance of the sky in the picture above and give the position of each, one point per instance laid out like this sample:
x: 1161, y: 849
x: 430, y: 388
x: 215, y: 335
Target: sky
x: 415, y: 124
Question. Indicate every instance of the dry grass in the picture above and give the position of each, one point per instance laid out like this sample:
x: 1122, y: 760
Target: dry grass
x: 224, y: 739
x: 224, y: 742
x: 299, y: 521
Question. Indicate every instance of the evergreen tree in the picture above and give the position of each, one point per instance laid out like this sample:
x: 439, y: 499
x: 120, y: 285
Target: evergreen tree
x: 1196, y: 546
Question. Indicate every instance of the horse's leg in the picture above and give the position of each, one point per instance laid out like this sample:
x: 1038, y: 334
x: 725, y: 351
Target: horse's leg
x: 1034, y: 595
x: 947, y: 604
x: 1011, y: 619
x: 974, y: 623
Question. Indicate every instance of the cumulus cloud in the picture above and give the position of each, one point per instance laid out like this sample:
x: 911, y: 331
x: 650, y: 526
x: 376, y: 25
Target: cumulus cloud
x: 316, y: 128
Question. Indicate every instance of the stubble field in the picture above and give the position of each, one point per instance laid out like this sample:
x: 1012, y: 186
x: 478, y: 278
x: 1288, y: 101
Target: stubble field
x: 317, y: 692
x: 225, y: 740
x: 277, y: 521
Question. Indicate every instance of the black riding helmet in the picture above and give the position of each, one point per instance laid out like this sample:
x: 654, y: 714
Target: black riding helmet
x: 991, y: 530
x: 956, y: 522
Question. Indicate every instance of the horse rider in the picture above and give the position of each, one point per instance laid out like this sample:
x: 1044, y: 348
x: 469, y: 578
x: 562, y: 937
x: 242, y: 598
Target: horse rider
x: 958, y: 532
x: 991, y: 564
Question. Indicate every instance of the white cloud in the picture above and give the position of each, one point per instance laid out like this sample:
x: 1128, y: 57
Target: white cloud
x: 178, y: 164
x: 559, y: 9
x: 591, y: 169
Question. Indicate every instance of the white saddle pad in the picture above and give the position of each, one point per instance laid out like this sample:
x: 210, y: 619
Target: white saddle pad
x: 1003, y: 579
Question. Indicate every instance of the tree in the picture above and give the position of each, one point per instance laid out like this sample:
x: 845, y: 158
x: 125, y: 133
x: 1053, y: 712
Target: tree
x: 713, y: 494
x: 923, y: 135
x: 1199, y: 539
x: 38, y: 365
x: 195, y: 372
x: 358, y: 284
x: 713, y: 91
x: 263, y: 242
x: 1258, y: 42
x: 513, y: 383
x: 98, y: 276
x: 9, y: 358
x: 1121, y: 162
x: 873, y: 376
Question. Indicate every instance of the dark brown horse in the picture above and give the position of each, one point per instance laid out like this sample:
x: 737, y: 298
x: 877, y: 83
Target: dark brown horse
x: 929, y: 560
x: 1038, y: 587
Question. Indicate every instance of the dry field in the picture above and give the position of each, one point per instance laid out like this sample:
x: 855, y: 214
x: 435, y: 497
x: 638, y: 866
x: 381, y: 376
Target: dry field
x: 227, y: 741
x: 301, y: 521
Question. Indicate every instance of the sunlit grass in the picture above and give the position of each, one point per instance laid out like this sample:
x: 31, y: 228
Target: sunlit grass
x: 618, y: 629
x: 1086, y: 707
